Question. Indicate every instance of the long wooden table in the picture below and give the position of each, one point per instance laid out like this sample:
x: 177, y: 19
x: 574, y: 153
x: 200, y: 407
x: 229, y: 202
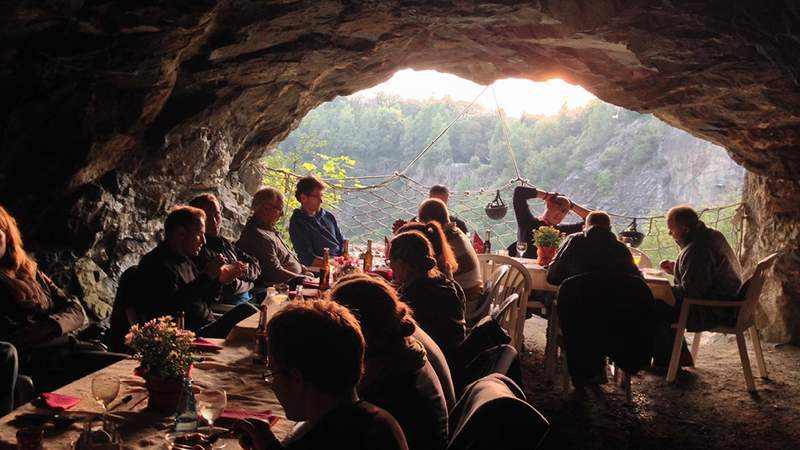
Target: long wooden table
x: 231, y: 369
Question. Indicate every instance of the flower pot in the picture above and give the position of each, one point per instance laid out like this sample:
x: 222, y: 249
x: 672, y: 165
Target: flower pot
x: 544, y: 255
x: 163, y: 394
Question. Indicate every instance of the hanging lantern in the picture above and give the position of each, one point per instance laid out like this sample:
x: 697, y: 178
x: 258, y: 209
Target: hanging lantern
x: 496, y: 209
x: 631, y: 235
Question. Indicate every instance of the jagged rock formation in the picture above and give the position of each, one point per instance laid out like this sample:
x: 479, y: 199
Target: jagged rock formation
x: 114, y: 111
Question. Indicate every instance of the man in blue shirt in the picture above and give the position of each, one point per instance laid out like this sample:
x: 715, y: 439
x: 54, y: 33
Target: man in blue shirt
x: 312, y: 228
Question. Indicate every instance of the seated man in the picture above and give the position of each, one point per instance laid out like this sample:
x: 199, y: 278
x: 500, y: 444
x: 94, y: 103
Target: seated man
x: 439, y: 192
x: 246, y: 268
x: 171, y: 283
x: 316, y: 358
x: 595, y: 248
x: 556, y: 208
x: 312, y: 228
x: 260, y: 239
x: 707, y: 268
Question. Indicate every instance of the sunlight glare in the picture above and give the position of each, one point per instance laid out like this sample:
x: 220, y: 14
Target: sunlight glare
x: 515, y: 96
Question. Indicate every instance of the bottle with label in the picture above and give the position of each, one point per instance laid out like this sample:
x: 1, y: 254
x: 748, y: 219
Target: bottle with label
x: 487, y: 245
x: 345, y: 251
x: 368, y: 257
x: 180, y: 321
x: 186, y: 414
x: 325, y: 270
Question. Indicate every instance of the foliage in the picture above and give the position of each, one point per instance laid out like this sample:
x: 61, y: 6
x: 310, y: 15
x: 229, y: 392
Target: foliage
x: 163, y: 349
x: 546, y: 237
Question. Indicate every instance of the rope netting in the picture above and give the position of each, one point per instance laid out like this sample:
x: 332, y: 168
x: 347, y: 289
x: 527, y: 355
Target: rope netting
x: 367, y: 211
x: 367, y: 206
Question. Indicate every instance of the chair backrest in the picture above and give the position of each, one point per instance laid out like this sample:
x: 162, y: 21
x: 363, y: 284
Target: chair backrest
x: 518, y: 281
x: 500, y: 314
x: 490, y: 289
x: 498, y: 359
x: 493, y: 414
x: 440, y: 366
x: 123, y: 313
x: 752, y: 292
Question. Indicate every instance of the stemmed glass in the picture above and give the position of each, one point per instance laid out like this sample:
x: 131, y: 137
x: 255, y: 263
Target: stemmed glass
x: 105, y: 388
x: 522, y: 247
x: 210, y: 404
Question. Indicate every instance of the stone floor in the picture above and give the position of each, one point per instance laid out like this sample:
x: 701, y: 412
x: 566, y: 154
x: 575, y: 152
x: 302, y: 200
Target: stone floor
x: 707, y: 408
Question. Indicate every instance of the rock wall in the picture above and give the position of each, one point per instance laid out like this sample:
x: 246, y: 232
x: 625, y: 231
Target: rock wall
x: 114, y: 111
x: 773, y: 225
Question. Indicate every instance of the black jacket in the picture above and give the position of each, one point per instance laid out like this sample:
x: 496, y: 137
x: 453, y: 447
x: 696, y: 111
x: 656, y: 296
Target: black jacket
x: 171, y: 283
x: 594, y: 249
x: 438, y: 305
x: 219, y: 245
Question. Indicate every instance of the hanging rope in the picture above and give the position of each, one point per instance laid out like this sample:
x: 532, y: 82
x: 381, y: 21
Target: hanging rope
x: 504, y: 127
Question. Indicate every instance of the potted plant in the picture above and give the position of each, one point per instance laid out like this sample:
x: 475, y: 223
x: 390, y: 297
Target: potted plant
x: 547, y: 240
x: 165, y: 358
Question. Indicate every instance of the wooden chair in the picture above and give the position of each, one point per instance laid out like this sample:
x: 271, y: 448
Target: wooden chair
x: 745, y: 321
x: 517, y: 281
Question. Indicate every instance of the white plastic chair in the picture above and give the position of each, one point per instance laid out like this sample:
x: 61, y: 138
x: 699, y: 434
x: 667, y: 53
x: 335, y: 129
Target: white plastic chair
x: 491, y: 288
x: 517, y: 281
x: 745, y: 321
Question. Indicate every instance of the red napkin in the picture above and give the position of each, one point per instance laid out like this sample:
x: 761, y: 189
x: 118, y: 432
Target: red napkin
x: 311, y: 284
x: 477, y: 243
x: 205, y: 344
x: 238, y: 414
x: 58, y: 401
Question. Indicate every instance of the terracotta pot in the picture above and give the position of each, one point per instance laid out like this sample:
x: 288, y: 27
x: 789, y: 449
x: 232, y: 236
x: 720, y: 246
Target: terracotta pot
x: 545, y: 254
x: 163, y: 394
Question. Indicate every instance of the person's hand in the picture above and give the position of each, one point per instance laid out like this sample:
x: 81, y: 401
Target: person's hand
x: 256, y: 434
x: 667, y: 266
x: 230, y: 272
x: 397, y: 224
x: 214, y: 266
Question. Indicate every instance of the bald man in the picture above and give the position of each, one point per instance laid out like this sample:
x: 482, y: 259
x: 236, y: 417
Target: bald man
x: 594, y: 248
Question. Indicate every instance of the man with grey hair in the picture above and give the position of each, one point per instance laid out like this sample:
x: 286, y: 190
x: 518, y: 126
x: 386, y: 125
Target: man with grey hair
x: 594, y: 248
x: 260, y: 239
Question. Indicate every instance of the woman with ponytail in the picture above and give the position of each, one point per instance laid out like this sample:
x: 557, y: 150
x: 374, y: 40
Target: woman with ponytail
x: 445, y: 257
x: 438, y: 302
x: 397, y: 375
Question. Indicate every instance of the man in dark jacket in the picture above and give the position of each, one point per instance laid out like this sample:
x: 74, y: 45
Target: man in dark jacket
x: 595, y: 248
x: 707, y: 268
x: 556, y: 208
x: 312, y: 228
x: 245, y: 266
x: 171, y: 283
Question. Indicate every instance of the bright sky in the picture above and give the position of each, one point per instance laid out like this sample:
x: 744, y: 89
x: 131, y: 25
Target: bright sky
x: 515, y: 96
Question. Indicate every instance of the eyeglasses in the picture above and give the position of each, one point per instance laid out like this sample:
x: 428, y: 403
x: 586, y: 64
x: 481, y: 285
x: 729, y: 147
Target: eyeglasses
x: 269, y: 377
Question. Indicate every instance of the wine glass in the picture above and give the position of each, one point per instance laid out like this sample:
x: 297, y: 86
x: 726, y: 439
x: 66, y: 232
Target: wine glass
x: 210, y: 404
x: 105, y: 388
x: 522, y: 247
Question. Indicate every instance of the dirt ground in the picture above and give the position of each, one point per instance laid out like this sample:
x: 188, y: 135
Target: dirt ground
x: 708, y: 407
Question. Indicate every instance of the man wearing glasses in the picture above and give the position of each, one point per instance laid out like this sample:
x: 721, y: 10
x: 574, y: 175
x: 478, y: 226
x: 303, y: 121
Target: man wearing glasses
x: 311, y: 227
x: 260, y: 239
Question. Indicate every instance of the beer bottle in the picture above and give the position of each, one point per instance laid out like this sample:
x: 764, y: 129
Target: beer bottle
x: 368, y: 257
x: 181, y: 320
x: 325, y: 271
x: 487, y: 245
x: 345, y: 251
x: 260, y: 344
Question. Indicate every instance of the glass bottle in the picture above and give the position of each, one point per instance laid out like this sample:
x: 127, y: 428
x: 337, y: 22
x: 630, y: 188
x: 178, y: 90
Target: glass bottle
x: 260, y: 344
x: 325, y: 270
x: 186, y: 415
x: 368, y: 257
x: 487, y: 245
x: 345, y: 251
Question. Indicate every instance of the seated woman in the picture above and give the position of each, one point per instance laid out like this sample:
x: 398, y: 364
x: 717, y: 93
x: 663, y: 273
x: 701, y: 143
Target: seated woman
x: 468, y: 275
x: 38, y: 316
x: 316, y: 355
x: 397, y: 375
x: 437, y: 301
x: 445, y: 258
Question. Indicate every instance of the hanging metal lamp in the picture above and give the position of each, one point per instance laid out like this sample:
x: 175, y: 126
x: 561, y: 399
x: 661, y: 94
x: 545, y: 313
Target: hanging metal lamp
x: 496, y: 209
x: 631, y: 235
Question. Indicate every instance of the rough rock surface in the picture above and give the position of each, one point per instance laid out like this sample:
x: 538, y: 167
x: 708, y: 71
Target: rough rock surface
x: 114, y: 111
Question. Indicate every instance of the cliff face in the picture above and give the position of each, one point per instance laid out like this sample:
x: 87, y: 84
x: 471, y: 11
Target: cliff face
x: 114, y: 111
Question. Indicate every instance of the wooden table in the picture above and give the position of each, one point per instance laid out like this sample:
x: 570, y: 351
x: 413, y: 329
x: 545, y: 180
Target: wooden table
x: 230, y: 368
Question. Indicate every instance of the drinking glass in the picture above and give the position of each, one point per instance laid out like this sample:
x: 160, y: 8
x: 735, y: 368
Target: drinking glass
x: 105, y: 388
x: 522, y: 247
x: 637, y: 258
x: 210, y: 404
